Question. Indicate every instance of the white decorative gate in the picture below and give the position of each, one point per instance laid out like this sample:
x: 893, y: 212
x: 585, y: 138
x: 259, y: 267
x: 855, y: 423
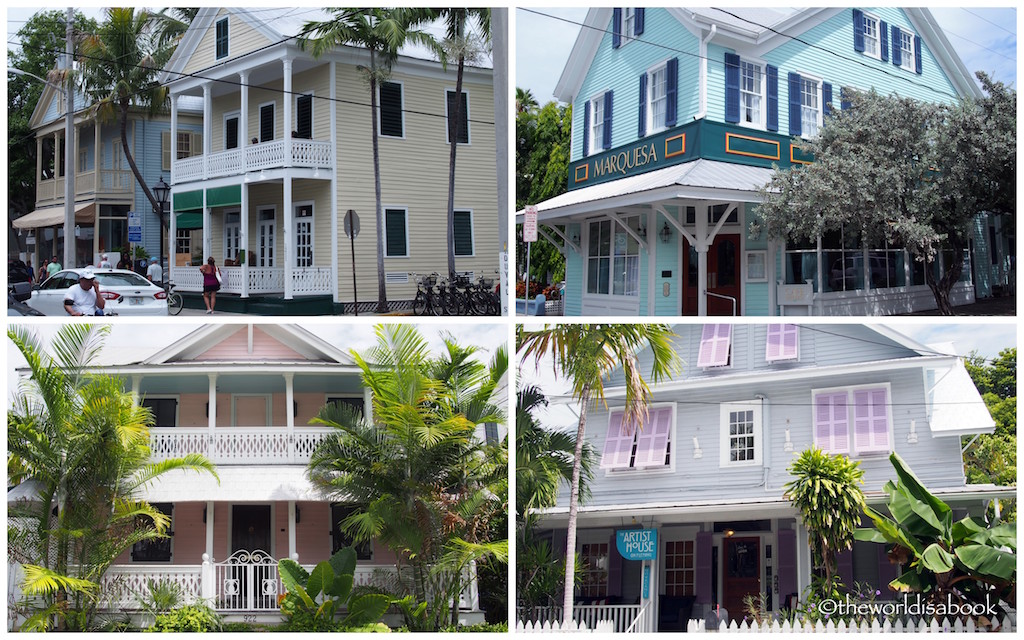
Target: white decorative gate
x: 247, y: 581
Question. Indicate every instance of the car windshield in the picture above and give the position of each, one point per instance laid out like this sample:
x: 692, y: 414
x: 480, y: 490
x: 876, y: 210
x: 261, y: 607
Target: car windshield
x: 122, y: 280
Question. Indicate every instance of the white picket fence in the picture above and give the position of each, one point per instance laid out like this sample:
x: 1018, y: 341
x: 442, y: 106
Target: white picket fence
x: 910, y: 626
x: 553, y: 626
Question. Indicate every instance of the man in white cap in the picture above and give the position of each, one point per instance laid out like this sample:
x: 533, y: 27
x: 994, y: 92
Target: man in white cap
x: 85, y: 299
x: 105, y: 262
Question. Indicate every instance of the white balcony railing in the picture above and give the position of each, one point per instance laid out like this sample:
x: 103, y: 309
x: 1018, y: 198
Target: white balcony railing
x: 305, y: 280
x: 123, y: 586
x: 238, y: 445
x: 314, y: 154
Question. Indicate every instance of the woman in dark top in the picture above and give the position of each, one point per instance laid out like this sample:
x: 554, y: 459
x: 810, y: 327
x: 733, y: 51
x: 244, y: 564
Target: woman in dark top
x: 211, y: 285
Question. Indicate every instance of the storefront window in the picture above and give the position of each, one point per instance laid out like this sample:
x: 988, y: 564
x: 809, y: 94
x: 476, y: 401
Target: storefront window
x: 613, y: 258
x: 113, y: 228
x: 843, y: 260
x: 801, y: 260
x: 887, y: 268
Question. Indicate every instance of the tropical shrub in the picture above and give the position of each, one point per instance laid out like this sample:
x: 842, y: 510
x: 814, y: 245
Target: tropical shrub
x: 968, y: 561
x: 194, y: 618
x: 483, y: 627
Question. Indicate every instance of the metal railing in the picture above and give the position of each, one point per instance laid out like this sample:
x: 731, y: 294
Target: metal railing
x: 723, y: 297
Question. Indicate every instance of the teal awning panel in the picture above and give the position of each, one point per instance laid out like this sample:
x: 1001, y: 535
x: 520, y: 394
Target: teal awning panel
x: 224, y: 196
x: 190, y: 220
x: 188, y: 201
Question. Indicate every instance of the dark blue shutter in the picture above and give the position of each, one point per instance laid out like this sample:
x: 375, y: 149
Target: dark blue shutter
x: 607, y: 142
x: 883, y: 40
x: 671, y: 85
x: 826, y: 99
x: 897, y: 53
x: 641, y: 129
x: 917, y: 54
x: 844, y: 99
x: 638, y: 21
x: 702, y: 568
x: 794, y: 104
x: 586, y: 128
x: 773, y: 97
x: 844, y: 567
x: 732, y: 87
x: 786, y: 569
x: 858, y: 30
x: 616, y: 35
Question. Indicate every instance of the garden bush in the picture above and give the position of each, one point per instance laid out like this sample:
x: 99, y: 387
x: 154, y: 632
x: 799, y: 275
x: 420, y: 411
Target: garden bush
x: 194, y: 617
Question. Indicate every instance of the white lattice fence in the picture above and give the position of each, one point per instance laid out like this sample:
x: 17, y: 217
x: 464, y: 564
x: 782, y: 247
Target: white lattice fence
x: 224, y: 163
x: 909, y: 626
x: 264, y: 155
x: 264, y: 279
x: 619, y: 616
x: 311, y: 280
x: 311, y: 153
x: 123, y: 587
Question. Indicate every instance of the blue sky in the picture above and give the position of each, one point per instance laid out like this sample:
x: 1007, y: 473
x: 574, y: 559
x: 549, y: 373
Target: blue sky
x: 985, y: 38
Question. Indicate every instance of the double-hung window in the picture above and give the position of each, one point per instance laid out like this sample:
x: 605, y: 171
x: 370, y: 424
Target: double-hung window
x: 647, y: 446
x: 391, y: 120
x: 854, y: 420
x: 810, y: 106
x: 626, y: 23
x: 613, y: 260
x: 597, y: 124
x: 740, y: 434
x: 872, y: 42
x: 751, y: 94
x: 906, y: 45
x: 657, y: 99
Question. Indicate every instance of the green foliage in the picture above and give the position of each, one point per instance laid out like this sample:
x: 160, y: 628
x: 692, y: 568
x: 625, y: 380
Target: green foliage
x: 312, y: 599
x: 192, y: 618
x: 159, y: 597
x: 825, y: 492
x: 968, y: 560
x: 992, y: 458
x: 483, y: 627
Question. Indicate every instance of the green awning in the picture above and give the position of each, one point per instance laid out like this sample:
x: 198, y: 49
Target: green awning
x: 188, y: 201
x: 224, y: 196
x: 190, y: 220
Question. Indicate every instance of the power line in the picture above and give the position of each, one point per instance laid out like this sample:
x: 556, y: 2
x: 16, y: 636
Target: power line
x: 998, y: 26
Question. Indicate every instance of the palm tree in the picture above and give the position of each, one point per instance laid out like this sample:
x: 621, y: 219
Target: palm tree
x: 382, y: 32
x: 422, y: 484
x: 463, y: 48
x: 171, y: 23
x: 80, y: 446
x: 120, y: 63
x: 585, y: 354
x: 525, y: 102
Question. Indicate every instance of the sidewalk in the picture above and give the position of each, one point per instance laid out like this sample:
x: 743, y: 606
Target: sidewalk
x: 1005, y: 306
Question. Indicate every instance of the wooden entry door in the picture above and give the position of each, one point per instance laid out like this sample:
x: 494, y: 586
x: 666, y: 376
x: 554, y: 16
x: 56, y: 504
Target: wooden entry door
x: 723, y: 275
x: 250, y: 527
x: 741, y: 573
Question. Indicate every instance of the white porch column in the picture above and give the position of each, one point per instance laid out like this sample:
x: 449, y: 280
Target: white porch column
x: 136, y: 382
x: 243, y: 118
x: 172, y: 236
x: 335, y: 279
x: 209, y: 529
x: 174, y: 138
x: 211, y: 420
x: 244, y: 239
x: 207, y: 241
x: 289, y: 411
x: 207, y: 124
x: 39, y: 159
x: 803, y: 558
x: 701, y: 236
x: 367, y: 403
x: 292, y: 553
x: 288, y: 124
x: 289, y: 237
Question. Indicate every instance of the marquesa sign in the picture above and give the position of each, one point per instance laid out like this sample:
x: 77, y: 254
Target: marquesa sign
x: 637, y: 544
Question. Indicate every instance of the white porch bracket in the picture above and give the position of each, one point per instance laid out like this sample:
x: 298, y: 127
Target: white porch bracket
x: 721, y: 221
x: 561, y: 234
x: 550, y: 238
x: 671, y: 219
x: 636, y: 236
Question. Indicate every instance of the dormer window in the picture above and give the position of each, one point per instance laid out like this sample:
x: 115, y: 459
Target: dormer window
x: 222, y: 38
x: 626, y: 24
x: 872, y: 43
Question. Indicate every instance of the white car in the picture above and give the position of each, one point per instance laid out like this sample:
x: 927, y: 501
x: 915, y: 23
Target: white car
x: 126, y: 293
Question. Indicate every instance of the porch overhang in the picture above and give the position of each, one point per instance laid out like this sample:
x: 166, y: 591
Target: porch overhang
x: 251, y: 483
x: 957, y: 409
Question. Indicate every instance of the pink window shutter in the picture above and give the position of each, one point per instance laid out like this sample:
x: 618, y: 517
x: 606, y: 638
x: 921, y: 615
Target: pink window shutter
x: 652, y: 441
x: 773, y: 346
x: 618, y: 446
x: 871, y: 420
x: 831, y: 422
x: 782, y: 343
x: 790, y: 342
x: 714, y: 345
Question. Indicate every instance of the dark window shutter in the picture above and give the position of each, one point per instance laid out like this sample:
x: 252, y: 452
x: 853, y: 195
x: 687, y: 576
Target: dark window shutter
x: 917, y: 54
x: 844, y: 99
x: 671, y: 91
x: 858, y: 30
x: 616, y: 25
x: 231, y: 134
x: 391, y: 109
x: 826, y: 98
x: 266, y: 122
x: 794, y: 104
x: 844, y: 566
x: 304, y: 117
x: 614, y: 569
x: 641, y: 129
x: 897, y: 52
x: 732, y: 87
x: 887, y: 571
x: 772, y: 75
x: 883, y: 40
x: 394, y: 223
x: 463, y: 122
x: 607, y: 142
x: 586, y: 128
x: 702, y: 568
x: 463, y: 232
x: 638, y: 21
x: 222, y: 38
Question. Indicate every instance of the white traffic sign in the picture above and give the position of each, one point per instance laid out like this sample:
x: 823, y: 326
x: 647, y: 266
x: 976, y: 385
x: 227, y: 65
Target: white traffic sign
x: 530, y: 224
x: 134, y: 227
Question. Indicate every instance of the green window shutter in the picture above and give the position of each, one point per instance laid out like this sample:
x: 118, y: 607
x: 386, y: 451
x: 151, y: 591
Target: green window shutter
x: 463, y: 123
x: 222, y: 38
x: 165, y: 150
x: 463, y: 228
x: 391, y: 109
x: 394, y: 225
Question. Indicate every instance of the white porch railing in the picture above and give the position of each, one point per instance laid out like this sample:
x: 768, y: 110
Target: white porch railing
x: 305, y: 280
x: 123, y: 586
x: 238, y: 445
x: 300, y: 152
x: 621, y: 616
x: 912, y: 625
x: 110, y: 182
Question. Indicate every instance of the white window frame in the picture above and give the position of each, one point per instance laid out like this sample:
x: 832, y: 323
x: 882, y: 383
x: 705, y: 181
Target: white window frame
x: 850, y: 429
x: 312, y: 231
x: 877, y: 24
x: 83, y: 159
x: 673, y: 452
x: 469, y: 132
x: 116, y: 156
x: 260, y: 225
x: 401, y: 109
x: 596, y: 129
x: 227, y: 236
x: 611, y: 258
x: 907, y: 60
x: 725, y: 409
x: 259, y: 122
x: 627, y: 25
x: 661, y: 67
x: 312, y: 111
x: 180, y: 236
x: 228, y: 116
x: 819, y: 113
x: 227, y: 54
x: 472, y: 233
x: 408, y: 248
x: 762, y: 122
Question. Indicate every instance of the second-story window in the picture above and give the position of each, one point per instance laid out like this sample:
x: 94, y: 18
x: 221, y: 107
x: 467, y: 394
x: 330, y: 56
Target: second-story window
x: 872, y: 42
x: 751, y: 94
x: 658, y: 84
x: 648, y: 446
x: 304, y: 117
x: 906, y: 45
x: 231, y: 132
x: 462, y: 126
x: 391, y: 121
x: 597, y: 124
x: 865, y: 408
x: 715, y: 346
x: 222, y: 38
x: 810, y: 107
x: 626, y: 23
x: 267, y: 122
x: 782, y: 342
x: 740, y: 434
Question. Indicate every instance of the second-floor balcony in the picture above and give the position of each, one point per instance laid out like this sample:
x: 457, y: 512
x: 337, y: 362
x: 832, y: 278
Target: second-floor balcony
x: 105, y: 182
x: 273, y: 154
x: 238, y: 445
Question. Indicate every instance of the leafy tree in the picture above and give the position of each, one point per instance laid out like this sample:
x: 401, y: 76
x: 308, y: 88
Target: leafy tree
x: 422, y: 484
x: 525, y: 100
x: 825, y: 491
x: 77, y: 440
x: 382, y: 32
x: 42, y: 41
x: 172, y: 23
x: 992, y: 458
x: 585, y: 355
x: 919, y: 186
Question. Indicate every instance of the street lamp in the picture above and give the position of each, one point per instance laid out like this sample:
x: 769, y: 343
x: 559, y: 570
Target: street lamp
x: 162, y: 192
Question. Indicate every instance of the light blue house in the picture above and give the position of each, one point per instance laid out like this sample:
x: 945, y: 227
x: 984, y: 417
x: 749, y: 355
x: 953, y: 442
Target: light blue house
x: 679, y: 115
x: 106, y: 191
x: 703, y: 479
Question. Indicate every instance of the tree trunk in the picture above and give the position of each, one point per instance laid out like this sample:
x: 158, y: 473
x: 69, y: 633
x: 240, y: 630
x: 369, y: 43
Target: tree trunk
x: 574, y: 499
x: 123, y: 113
x: 382, y: 291
x: 950, y: 276
x: 454, y: 144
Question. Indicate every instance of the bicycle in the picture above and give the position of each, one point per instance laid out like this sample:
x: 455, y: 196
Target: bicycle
x: 427, y: 301
x: 174, y: 300
x: 485, y: 299
x: 455, y: 298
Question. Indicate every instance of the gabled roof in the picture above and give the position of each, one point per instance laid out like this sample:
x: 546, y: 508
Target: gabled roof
x: 292, y: 338
x: 760, y: 30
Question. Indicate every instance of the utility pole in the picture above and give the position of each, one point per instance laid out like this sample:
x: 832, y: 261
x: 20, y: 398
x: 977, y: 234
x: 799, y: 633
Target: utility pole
x: 70, y: 242
x: 499, y: 34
